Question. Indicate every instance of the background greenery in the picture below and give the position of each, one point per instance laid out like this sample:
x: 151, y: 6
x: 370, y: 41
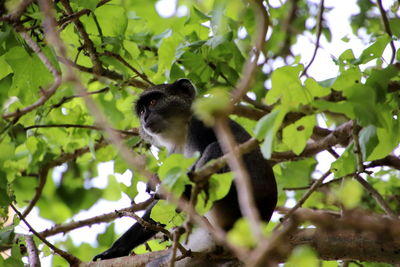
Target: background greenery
x: 129, y: 45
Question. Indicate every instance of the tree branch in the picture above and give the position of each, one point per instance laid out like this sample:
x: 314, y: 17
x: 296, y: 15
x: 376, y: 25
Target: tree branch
x: 319, y: 31
x: 388, y: 30
x: 71, y: 259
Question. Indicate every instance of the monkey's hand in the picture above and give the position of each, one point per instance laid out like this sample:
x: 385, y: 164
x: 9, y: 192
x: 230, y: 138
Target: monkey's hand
x: 113, y: 252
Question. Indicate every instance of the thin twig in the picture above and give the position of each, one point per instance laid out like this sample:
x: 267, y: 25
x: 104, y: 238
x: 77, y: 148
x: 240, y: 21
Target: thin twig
x: 92, y: 127
x: 388, y: 30
x: 71, y: 259
x: 68, y: 98
x: 319, y: 31
x: 155, y: 227
x: 88, y: 43
x: 313, y: 187
x: 262, y: 24
x: 64, y: 228
x: 123, y: 61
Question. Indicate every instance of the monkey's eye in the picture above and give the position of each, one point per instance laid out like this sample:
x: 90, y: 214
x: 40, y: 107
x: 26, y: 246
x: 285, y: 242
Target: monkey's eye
x: 152, y: 102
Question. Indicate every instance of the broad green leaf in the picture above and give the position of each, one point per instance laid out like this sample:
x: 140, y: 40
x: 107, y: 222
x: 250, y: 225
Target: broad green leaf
x: 315, y: 89
x: 219, y: 185
x: 173, y: 172
x: 113, y: 190
x: 241, y: 234
x: 206, y: 108
x: 5, y: 69
x: 350, y: 193
x: 295, y: 173
x: 347, y: 78
x: 375, y: 50
x: 112, y: 19
x: 287, y: 88
x: 368, y: 141
x: 266, y: 129
x: 29, y: 74
x: 165, y: 213
x: 167, y: 53
x: 303, y: 256
x: 89, y: 4
x: 296, y: 135
x: 345, y: 164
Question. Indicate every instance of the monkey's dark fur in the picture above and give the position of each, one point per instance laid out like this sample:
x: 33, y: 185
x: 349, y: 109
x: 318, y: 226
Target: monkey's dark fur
x: 167, y: 120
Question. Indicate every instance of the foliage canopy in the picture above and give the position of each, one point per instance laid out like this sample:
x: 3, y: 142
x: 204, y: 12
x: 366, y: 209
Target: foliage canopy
x: 70, y: 71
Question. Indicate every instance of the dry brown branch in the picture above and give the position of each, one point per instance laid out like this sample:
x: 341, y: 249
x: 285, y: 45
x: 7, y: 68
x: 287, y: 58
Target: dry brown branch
x: 87, y: 42
x: 33, y: 253
x: 91, y: 127
x: 71, y: 259
x: 390, y: 160
x: 375, y: 194
x: 64, y: 228
x: 361, y: 237
x: 338, y: 136
x: 242, y: 180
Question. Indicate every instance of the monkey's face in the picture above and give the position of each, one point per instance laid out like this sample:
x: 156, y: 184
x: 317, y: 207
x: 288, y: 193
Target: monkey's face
x: 164, y: 112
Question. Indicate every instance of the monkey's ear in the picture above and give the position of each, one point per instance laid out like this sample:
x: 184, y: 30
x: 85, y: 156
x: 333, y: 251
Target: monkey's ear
x: 185, y: 87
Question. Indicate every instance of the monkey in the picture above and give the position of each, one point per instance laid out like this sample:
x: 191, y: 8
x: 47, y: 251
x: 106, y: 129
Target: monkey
x: 167, y: 120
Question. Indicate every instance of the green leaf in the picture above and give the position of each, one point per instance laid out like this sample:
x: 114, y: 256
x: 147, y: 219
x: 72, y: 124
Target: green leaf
x: 286, y: 86
x: 368, y: 141
x: 266, y: 129
x: 207, y: 107
x: 347, y: 78
x: 241, y: 234
x: 219, y: 185
x: 296, y: 135
x: 345, y: 164
x: 165, y: 213
x: 295, y: 173
x: 375, y: 50
x: 315, y: 89
x: 303, y: 256
x: 173, y: 172
x: 350, y: 193
x: 29, y: 74
x: 113, y: 189
x: 89, y: 4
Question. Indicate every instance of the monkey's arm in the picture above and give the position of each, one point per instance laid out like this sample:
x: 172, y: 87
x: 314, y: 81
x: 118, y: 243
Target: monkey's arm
x: 135, y: 236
